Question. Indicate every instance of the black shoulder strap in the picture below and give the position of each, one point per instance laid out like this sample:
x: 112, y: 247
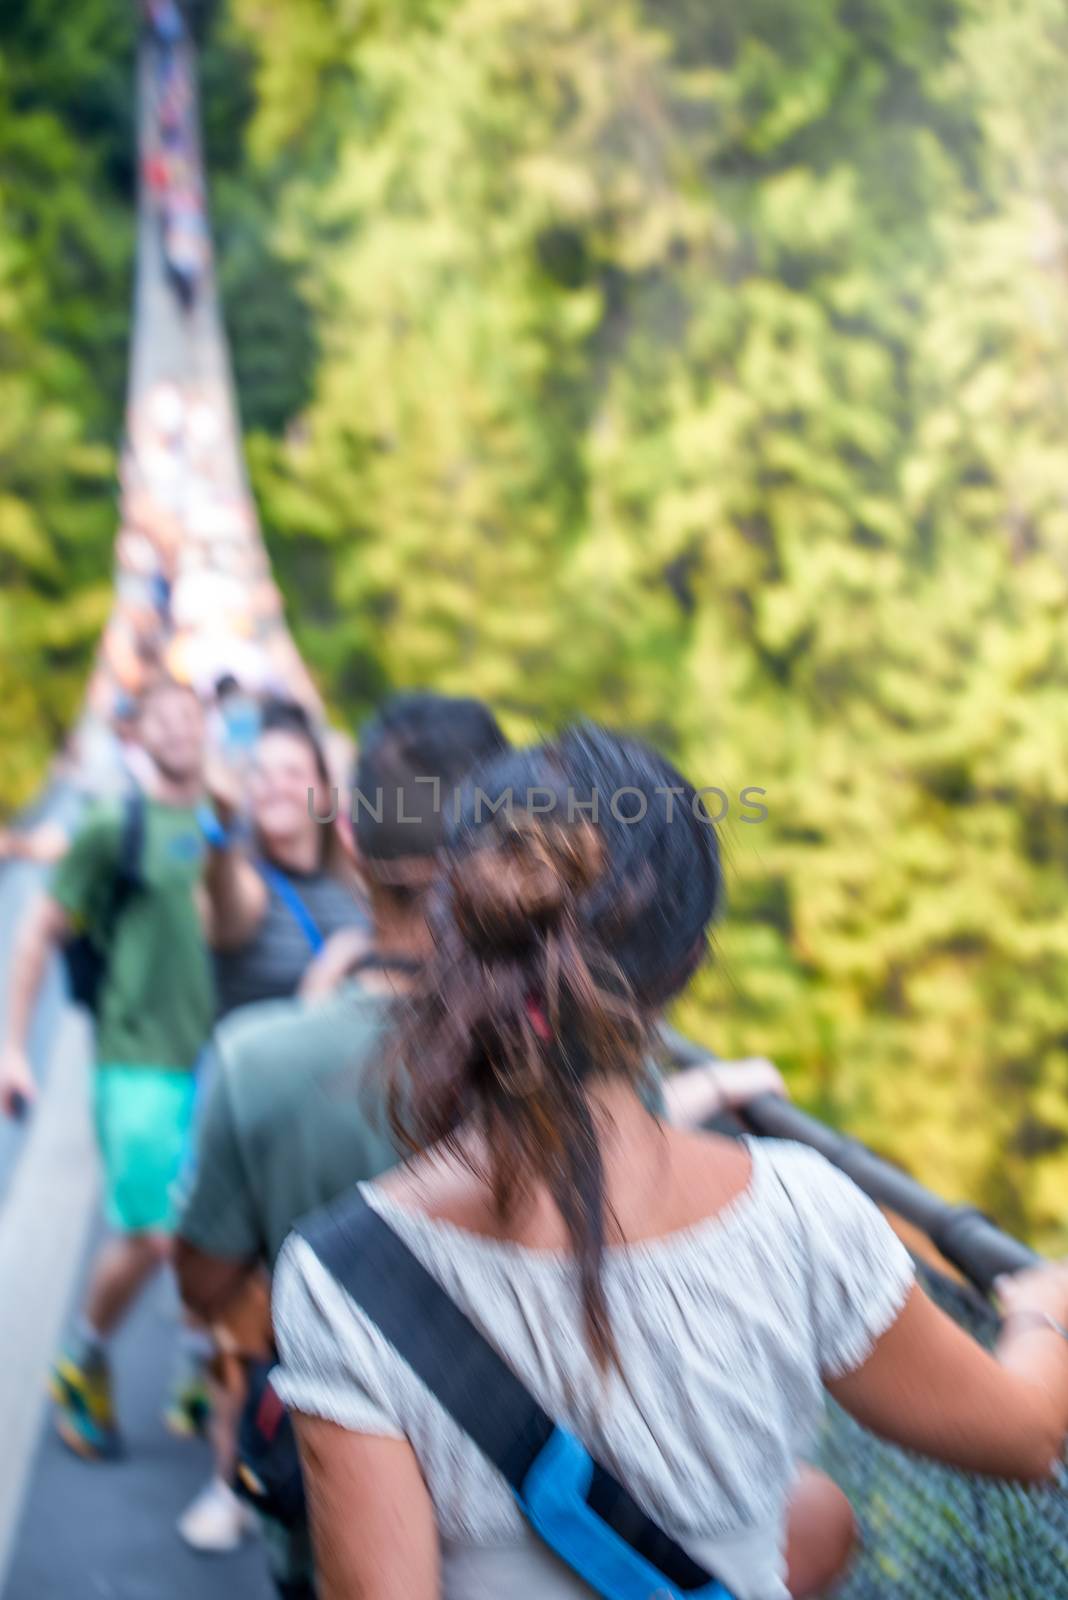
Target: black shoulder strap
x: 462, y: 1370
x: 132, y: 842
x: 427, y: 1328
x: 384, y: 961
x: 128, y: 869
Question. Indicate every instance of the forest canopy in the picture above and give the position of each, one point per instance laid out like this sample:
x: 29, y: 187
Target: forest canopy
x: 694, y: 366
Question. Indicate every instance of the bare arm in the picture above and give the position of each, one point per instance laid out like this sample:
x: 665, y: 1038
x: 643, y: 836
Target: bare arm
x: 236, y: 898
x: 334, y: 962
x: 928, y: 1386
x: 44, y: 928
x: 371, y: 1516
x: 45, y: 844
x: 208, y: 1284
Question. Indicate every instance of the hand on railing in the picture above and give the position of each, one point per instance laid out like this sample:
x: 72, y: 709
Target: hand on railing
x: 971, y: 1241
x: 695, y: 1094
x: 17, y: 1087
x: 1038, y: 1296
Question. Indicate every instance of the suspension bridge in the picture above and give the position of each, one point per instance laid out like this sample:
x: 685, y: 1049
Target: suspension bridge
x: 193, y: 591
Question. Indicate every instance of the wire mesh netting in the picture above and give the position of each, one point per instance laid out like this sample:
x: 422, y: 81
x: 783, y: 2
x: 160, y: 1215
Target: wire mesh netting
x: 930, y: 1531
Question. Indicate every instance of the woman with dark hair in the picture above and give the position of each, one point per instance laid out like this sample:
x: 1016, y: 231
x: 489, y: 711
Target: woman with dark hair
x: 276, y: 893
x: 275, y: 897
x: 677, y: 1301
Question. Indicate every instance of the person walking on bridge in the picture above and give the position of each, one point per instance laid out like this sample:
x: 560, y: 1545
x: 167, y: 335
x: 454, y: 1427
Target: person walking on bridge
x: 154, y: 1009
x: 276, y: 891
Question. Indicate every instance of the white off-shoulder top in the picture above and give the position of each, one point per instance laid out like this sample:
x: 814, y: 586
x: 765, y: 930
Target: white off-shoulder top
x: 725, y: 1330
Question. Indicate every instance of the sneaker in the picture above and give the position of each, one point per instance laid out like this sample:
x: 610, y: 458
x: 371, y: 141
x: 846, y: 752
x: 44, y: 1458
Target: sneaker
x: 189, y: 1408
x: 85, y: 1413
x: 217, y: 1521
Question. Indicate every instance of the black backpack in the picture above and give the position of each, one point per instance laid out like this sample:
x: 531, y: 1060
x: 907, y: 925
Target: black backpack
x: 85, y: 954
x: 268, y: 1472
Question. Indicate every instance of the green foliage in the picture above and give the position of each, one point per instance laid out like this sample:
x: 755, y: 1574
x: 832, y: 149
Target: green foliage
x: 698, y: 366
x: 67, y: 165
x: 271, y: 335
x: 65, y: 261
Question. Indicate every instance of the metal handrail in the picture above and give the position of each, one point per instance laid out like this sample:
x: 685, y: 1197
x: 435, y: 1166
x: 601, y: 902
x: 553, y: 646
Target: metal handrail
x: 962, y: 1234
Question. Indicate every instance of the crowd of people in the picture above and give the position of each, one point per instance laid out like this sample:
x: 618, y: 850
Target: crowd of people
x: 172, y: 168
x: 194, y: 594
x: 193, y: 590
x: 431, y: 1030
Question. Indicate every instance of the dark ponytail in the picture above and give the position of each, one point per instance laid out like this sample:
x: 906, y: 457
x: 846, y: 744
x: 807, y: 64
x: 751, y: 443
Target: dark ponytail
x: 555, y: 928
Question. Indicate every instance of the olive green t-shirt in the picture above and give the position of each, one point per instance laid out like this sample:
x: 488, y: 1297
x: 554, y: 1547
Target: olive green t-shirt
x: 157, y: 997
x: 294, y: 1117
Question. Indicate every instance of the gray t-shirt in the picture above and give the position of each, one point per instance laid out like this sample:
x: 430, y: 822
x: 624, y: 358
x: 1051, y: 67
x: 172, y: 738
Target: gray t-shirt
x: 272, y: 963
x: 294, y: 1116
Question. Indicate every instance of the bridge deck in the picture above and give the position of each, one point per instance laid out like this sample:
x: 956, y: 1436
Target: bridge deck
x: 68, y: 1529
x: 109, y: 1530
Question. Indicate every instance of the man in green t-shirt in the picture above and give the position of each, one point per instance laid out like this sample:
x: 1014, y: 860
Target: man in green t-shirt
x: 154, y: 1010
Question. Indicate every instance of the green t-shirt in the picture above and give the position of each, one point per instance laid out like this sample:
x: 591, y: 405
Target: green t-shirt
x: 157, y: 997
x: 295, y: 1116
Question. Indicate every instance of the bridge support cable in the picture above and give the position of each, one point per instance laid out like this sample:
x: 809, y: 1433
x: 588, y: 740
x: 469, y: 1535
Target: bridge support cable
x: 193, y: 587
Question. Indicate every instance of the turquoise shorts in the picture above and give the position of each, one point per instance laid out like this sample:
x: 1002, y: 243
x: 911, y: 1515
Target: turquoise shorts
x: 143, y: 1118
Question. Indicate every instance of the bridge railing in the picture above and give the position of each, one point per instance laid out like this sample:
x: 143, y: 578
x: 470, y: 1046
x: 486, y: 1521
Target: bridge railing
x: 961, y: 1234
x: 927, y: 1532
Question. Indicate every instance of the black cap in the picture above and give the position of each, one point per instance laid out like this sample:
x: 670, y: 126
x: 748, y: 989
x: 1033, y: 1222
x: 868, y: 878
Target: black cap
x: 414, y: 753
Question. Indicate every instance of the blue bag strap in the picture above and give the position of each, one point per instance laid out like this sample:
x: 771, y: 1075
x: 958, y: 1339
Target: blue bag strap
x: 575, y: 1504
x: 289, y: 897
